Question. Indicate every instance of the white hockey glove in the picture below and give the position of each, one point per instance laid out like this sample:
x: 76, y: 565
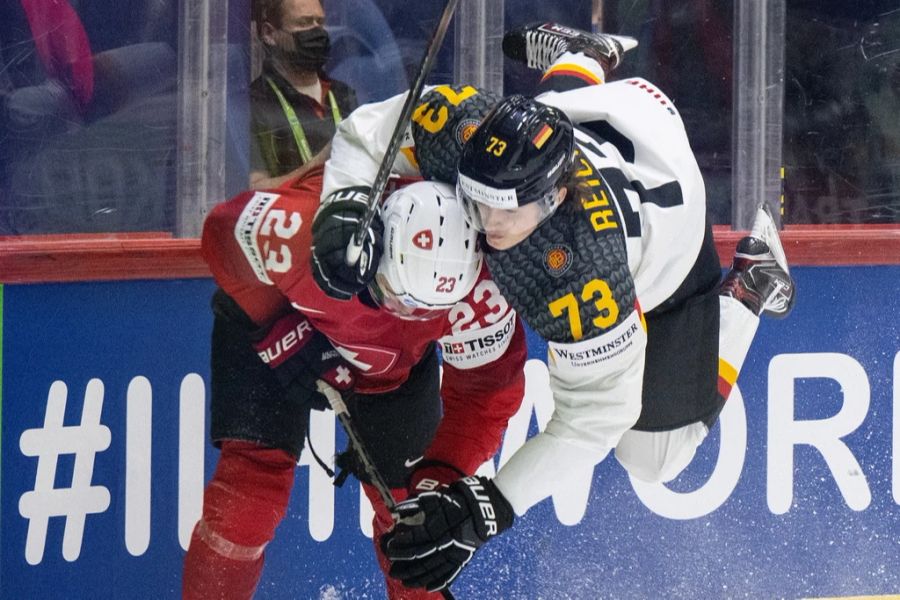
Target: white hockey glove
x: 439, y: 531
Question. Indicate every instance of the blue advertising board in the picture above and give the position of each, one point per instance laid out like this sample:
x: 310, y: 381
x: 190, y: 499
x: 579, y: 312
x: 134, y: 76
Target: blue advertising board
x: 794, y: 494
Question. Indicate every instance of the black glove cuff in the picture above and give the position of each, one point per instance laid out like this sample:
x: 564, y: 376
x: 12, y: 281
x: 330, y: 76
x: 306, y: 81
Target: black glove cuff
x: 492, y: 511
x: 425, y: 463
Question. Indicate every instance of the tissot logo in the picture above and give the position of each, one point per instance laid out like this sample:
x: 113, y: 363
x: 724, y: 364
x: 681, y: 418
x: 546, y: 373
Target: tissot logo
x: 248, y: 226
x: 480, y: 343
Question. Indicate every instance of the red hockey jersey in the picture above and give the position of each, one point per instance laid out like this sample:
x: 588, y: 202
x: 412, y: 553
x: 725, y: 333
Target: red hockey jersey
x: 257, y: 246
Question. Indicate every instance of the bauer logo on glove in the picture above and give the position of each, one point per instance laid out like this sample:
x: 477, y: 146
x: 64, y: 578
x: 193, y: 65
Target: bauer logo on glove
x: 299, y: 356
x: 333, y: 231
x: 438, y: 532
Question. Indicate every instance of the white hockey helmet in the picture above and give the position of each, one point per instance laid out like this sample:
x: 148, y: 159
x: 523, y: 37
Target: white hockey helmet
x: 431, y: 257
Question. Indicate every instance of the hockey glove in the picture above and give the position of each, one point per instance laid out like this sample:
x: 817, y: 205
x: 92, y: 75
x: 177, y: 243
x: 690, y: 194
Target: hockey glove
x: 332, y: 231
x: 299, y: 356
x: 438, y: 532
x: 429, y: 475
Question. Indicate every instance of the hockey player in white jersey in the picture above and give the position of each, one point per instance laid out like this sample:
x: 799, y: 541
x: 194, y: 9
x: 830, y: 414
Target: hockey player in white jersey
x: 594, y: 215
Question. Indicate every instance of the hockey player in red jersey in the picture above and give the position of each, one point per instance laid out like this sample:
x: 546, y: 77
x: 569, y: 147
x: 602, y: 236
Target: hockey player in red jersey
x: 276, y: 333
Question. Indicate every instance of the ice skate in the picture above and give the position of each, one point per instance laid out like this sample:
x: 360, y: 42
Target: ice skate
x: 759, y: 275
x: 539, y: 45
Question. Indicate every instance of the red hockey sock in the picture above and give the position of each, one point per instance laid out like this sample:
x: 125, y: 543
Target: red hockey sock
x: 381, y: 524
x: 209, y: 575
x: 243, y: 504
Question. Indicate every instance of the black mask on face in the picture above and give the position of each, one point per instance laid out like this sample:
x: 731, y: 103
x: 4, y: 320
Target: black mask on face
x: 311, y: 49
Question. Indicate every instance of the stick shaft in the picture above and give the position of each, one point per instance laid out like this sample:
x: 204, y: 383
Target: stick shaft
x: 343, y: 415
x: 384, y: 170
x: 340, y: 408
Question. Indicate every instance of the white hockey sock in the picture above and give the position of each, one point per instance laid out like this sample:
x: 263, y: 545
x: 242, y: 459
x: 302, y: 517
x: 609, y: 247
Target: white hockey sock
x: 576, y: 65
x: 737, y: 327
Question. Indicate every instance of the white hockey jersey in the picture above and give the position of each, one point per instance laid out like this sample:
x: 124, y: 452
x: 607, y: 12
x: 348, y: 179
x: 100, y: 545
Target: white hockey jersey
x: 634, y: 137
x: 665, y: 236
x: 664, y: 189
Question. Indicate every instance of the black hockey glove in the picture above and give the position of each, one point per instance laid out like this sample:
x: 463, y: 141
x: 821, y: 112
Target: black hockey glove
x: 300, y: 356
x: 439, y: 531
x: 332, y: 231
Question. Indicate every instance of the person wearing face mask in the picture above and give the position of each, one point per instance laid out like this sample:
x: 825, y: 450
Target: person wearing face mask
x: 294, y: 106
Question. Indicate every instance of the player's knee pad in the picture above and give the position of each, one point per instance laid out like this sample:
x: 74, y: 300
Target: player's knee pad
x: 659, y: 456
x: 246, y: 499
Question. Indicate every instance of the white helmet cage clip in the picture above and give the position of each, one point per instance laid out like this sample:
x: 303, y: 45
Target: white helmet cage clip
x: 431, y: 258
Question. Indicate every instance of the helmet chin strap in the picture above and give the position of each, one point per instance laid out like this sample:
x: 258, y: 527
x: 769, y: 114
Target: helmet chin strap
x: 558, y: 198
x: 561, y: 194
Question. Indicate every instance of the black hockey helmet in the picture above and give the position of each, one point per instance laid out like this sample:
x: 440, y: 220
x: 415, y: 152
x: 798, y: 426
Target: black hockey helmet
x: 519, y: 155
x: 445, y: 117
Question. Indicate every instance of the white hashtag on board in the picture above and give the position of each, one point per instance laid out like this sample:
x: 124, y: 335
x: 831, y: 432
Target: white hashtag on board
x: 47, y: 443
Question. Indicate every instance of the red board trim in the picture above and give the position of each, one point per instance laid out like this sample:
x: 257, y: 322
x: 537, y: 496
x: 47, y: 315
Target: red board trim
x: 88, y: 257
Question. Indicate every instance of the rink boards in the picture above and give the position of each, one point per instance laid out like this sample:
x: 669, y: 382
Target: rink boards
x: 104, y: 457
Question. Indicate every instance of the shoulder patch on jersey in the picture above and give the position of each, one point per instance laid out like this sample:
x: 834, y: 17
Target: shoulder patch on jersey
x: 557, y: 259
x: 247, y: 228
x: 465, y: 129
x: 474, y: 348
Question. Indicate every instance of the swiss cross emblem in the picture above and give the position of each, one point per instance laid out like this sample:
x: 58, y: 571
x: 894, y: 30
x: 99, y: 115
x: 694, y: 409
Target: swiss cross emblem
x: 457, y: 348
x: 343, y: 375
x: 424, y: 239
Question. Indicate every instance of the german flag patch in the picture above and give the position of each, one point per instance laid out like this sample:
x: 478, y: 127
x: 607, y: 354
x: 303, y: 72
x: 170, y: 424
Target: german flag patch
x: 542, y: 136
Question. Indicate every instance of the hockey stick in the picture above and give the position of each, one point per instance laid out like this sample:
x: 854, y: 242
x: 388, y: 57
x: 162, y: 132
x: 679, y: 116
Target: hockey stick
x: 384, y: 171
x: 343, y: 415
x: 340, y: 409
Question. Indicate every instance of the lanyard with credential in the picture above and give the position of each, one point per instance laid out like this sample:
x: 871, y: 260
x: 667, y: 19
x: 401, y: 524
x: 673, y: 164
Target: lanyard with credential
x: 296, y: 127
